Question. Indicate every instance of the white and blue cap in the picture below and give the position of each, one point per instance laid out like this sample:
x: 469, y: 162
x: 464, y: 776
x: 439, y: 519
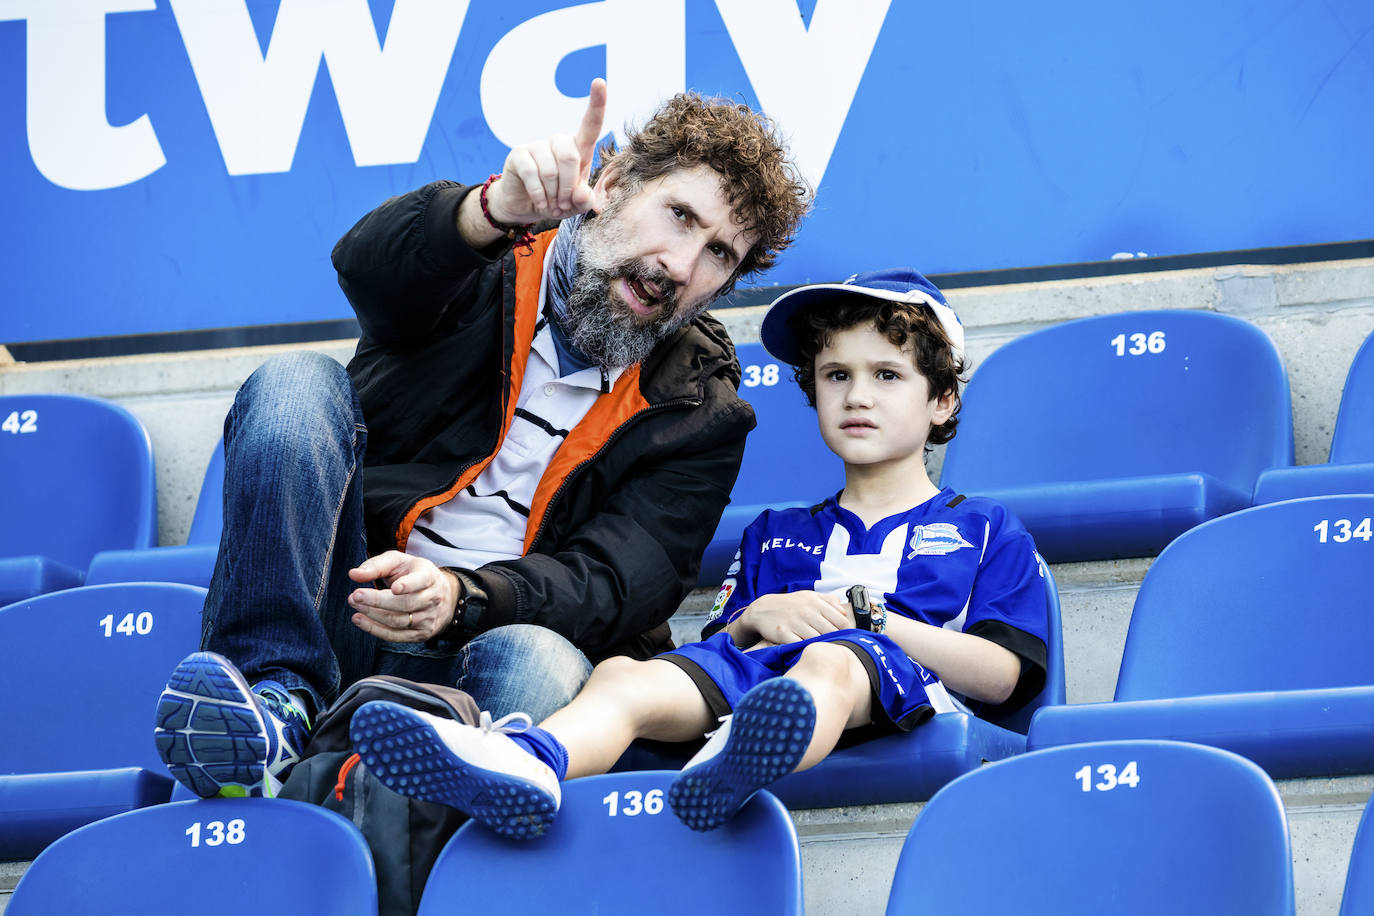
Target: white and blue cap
x: 895, y: 284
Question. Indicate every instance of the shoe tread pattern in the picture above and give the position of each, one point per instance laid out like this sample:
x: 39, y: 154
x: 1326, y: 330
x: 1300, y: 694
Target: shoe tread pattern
x: 408, y: 756
x: 207, y: 732
x: 769, y: 734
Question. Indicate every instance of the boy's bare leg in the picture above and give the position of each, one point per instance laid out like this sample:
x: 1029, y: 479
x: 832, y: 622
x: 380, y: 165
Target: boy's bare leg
x: 839, y: 686
x: 623, y: 700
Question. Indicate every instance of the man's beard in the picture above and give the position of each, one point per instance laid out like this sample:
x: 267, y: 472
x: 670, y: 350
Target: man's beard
x: 601, y: 326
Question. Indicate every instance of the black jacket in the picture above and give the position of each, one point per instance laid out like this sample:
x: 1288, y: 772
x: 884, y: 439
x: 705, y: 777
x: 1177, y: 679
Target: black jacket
x: 620, y: 544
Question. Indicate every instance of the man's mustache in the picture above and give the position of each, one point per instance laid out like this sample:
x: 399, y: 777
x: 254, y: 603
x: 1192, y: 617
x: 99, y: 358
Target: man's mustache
x: 667, y: 290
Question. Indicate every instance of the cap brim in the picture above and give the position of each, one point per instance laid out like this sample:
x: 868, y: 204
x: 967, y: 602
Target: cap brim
x: 776, y: 331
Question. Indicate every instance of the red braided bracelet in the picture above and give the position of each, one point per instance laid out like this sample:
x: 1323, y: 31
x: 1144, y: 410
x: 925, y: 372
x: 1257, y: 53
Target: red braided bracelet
x: 521, y: 235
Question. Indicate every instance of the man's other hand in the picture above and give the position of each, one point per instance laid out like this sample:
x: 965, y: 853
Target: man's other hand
x: 416, y: 604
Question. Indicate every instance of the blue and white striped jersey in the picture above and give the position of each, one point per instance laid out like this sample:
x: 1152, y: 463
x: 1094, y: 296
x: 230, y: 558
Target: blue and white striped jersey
x: 962, y: 563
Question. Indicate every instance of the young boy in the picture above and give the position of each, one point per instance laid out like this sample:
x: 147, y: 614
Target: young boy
x: 951, y: 613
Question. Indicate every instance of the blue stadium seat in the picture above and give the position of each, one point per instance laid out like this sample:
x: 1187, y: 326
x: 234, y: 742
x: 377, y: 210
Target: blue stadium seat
x: 82, y: 670
x: 1350, y: 465
x: 901, y: 767
x: 786, y: 463
x: 617, y: 848
x: 191, y: 563
x: 1116, y: 827
x: 78, y: 477
x: 1110, y: 436
x: 218, y: 857
x: 1251, y: 633
x: 1358, y: 899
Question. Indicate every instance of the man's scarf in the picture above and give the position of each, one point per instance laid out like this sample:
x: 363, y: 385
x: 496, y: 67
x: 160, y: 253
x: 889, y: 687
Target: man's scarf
x: 562, y: 268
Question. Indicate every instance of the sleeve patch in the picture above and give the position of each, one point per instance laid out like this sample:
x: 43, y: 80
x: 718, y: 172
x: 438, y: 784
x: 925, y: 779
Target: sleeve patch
x: 727, y: 589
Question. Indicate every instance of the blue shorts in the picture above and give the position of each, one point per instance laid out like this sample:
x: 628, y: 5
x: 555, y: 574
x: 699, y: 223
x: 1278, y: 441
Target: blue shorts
x: 904, y: 693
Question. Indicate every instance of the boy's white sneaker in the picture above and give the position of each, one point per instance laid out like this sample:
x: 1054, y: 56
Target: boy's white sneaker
x: 762, y: 741
x: 477, y: 769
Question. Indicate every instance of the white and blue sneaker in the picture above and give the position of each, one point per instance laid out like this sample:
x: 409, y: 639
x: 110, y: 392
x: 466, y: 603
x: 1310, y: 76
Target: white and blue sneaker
x: 474, y: 768
x: 220, y: 737
x: 760, y: 742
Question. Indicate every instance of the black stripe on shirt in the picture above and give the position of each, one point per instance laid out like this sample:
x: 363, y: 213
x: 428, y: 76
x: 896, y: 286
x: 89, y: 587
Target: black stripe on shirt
x: 540, y: 422
x: 434, y: 536
x: 517, y: 507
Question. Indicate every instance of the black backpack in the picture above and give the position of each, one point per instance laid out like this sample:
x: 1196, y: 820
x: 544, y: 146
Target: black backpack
x: 404, y: 834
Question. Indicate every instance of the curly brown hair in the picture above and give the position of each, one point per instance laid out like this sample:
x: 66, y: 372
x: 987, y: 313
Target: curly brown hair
x: 762, y: 185
x: 902, y: 323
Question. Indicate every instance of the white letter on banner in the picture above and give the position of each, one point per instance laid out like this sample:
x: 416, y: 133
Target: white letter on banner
x: 646, y: 61
x: 805, y: 79
x: 71, y: 140
x: 257, y: 103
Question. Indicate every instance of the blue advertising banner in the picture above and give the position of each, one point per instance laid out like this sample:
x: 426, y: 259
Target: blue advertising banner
x: 171, y: 165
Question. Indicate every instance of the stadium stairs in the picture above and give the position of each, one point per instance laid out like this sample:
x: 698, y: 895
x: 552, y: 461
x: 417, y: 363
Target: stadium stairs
x: 1318, y: 314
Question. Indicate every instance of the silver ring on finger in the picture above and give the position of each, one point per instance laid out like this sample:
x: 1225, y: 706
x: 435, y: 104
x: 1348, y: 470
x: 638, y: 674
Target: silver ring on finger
x: 410, y: 619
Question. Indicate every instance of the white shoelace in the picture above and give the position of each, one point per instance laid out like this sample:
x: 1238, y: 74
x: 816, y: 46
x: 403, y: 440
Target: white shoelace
x: 723, y: 720
x: 507, y: 724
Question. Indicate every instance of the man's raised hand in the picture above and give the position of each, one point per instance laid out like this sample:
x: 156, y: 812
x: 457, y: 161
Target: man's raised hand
x: 548, y: 179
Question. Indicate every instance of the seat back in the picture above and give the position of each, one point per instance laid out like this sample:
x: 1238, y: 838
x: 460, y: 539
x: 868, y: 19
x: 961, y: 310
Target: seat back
x: 208, y: 521
x: 1358, y: 899
x: 78, y: 478
x: 1274, y: 597
x: 786, y: 463
x: 218, y: 857
x: 1053, y: 693
x: 1118, y: 827
x: 1128, y: 395
x: 1353, y: 440
x: 89, y: 664
x: 617, y: 848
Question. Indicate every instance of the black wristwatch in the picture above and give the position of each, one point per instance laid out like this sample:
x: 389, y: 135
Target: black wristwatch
x: 868, y: 614
x: 858, y: 600
x: 472, y: 601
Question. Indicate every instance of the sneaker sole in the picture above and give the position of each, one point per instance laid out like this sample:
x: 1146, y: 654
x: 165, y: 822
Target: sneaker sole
x: 769, y: 734
x: 409, y: 756
x: 209, y: 731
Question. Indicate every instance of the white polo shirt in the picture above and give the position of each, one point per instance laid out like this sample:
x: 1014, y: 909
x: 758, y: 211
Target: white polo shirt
x: 486, y: 520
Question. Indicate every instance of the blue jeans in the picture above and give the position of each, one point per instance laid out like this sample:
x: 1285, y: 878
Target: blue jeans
x: 277, y: 605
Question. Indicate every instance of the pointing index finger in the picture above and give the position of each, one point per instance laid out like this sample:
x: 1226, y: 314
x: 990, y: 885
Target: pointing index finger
x: 589, y: 131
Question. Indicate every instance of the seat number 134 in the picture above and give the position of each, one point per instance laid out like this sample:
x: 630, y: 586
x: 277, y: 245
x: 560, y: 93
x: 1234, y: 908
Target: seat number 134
x: 1108, y: 777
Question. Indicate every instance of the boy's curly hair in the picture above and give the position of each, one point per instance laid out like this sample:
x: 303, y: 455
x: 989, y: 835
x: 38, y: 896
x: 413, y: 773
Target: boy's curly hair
x: 763, y: 186
x: 902, y: 323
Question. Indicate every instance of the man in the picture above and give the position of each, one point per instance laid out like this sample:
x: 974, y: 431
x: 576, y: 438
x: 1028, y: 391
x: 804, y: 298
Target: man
x: 519, y: 470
